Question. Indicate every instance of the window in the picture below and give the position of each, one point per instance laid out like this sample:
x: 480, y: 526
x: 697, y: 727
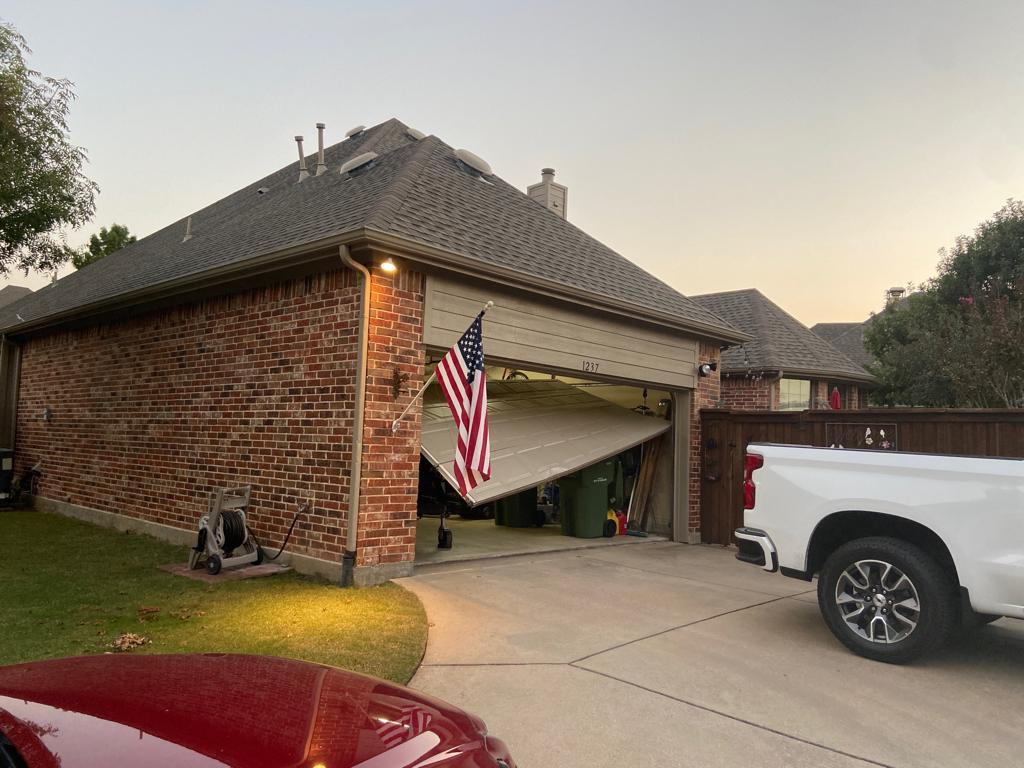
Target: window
x: 794, y: 394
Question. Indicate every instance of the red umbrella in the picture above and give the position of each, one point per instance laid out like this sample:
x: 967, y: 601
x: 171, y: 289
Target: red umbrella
x: 835, y: 401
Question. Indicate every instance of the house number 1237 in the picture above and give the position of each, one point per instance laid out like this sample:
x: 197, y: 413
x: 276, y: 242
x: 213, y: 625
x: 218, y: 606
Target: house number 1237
x: 590, y: 365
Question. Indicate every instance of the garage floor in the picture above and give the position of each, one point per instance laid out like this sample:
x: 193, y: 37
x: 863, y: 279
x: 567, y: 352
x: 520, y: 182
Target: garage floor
x: 667, y: 654
x: 482, y: 539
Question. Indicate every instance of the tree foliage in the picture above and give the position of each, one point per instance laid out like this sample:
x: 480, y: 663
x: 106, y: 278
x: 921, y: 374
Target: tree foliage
x: 959, y: 341
x: 42, y: 187
x: 104, y: 243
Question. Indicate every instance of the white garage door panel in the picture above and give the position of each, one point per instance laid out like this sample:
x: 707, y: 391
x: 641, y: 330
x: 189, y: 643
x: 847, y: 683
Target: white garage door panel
x: 540, y: 431
x: 500, y: 333
x: 537, y: 334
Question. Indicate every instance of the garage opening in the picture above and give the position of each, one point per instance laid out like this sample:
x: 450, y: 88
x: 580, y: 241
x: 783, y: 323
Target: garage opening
x: 574, y: 463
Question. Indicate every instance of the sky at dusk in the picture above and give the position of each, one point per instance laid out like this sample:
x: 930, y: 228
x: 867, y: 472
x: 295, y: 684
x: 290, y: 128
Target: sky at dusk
x: 818, y: 151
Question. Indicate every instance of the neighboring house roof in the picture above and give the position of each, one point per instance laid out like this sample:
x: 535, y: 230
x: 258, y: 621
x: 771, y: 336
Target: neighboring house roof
x: 416, y: 194
x: 780, y: 343
x: 11, y: 293
x: 848, y: 338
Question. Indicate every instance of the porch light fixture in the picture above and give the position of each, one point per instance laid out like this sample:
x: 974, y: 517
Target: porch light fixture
x: 389, y: 266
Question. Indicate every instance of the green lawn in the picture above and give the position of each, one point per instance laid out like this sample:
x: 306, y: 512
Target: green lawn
x: 70, y: 588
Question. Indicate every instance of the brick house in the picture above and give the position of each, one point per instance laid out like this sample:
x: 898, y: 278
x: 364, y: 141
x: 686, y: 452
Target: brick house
x: 785, y: 366
x: 229, y: 347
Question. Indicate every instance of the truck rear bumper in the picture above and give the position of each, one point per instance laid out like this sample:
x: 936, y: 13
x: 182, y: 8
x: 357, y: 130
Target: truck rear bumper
x: 756, y: 548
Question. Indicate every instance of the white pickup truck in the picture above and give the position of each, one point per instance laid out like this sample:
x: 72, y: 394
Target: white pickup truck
x: 907, y: 547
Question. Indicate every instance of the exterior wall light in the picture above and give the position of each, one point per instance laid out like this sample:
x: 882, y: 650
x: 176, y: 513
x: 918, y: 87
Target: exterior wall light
x: 389, y: 266
x: 705, y: 369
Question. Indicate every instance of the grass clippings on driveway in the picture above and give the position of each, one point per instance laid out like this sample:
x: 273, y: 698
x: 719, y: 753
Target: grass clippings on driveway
x: 69, y: 588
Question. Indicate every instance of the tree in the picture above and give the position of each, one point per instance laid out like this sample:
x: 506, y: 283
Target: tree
x: 103, y: 244
x: 42, y: 187
x: 959, y: 341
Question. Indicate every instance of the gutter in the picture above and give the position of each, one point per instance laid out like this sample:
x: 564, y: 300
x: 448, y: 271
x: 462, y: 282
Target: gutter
x: 410, y: 250
x: 819, y: 374
x: 348, y: 558
x: 267, y: 262
x: 422, y: 253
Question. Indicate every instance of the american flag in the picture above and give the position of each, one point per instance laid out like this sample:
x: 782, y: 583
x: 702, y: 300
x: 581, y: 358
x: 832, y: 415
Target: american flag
x: 464, y: 383
x: 411, y: 721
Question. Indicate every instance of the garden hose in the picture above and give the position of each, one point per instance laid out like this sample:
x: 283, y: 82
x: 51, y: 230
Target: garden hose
x: 301, y: 511
x: 233, y: 527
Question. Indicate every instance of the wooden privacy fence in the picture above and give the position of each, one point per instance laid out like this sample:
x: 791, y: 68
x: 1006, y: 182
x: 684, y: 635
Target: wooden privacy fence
x: 725, y: 435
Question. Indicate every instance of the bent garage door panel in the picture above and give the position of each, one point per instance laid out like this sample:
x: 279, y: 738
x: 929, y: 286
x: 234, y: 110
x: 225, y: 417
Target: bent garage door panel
x: 540, y: 430
x: 541, y: 336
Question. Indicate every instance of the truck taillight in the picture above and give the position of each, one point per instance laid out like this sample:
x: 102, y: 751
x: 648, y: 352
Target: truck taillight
x: 751, y: 461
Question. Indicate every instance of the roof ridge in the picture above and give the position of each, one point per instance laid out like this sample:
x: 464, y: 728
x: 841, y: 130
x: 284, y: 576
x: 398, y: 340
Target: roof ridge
x: 759, y: 311
x: 391, y: 201
x: 734, y: 292
x: 377, y: 138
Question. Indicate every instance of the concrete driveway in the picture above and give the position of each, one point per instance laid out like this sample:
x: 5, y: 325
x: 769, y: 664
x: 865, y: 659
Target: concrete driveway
x: 671, y: 655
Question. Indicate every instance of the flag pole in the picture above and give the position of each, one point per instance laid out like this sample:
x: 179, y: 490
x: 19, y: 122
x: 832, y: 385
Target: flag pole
x: 427, y: 383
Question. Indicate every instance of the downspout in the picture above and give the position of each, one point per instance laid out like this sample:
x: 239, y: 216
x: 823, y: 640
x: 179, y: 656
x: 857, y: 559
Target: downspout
x: 348, y: 558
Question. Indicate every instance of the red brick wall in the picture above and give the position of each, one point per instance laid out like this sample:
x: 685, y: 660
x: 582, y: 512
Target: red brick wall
x: 819, y: 395
x: 753, y: 394
x: 706, y: 395
x: 152, y: 412
x: 387, y: 509
x: 854, y: 398
x: 762, y: 394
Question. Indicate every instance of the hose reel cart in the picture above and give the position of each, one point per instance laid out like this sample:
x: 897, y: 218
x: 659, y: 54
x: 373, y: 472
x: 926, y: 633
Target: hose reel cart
x: 222, y: 531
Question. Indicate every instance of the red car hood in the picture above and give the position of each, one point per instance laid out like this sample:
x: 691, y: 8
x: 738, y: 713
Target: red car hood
x: 215, y: 710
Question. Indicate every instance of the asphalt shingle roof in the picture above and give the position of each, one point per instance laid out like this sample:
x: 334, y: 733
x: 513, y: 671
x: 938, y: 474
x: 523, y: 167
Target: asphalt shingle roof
x: 781, y: 342
x: 415, y: 189
x: 12, y: 293
x: 848, y: 338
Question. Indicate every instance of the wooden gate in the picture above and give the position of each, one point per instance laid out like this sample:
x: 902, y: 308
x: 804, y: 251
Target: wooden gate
x: 725, y: 435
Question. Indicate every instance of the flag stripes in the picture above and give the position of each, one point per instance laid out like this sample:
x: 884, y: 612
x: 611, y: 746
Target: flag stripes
x: 464, y: 383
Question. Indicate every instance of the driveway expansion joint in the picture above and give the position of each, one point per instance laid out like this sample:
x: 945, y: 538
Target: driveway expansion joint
x: 734, y: 718
x: 680, y: 626
x: 684, y: 578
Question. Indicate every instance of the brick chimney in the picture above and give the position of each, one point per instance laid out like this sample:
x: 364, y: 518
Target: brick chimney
x: 552, y: 196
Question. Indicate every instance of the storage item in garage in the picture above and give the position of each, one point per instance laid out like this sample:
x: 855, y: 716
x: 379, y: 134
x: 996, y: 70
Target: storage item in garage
x: 6, y: 473
x: 519, y: 511
x: 584, y: 497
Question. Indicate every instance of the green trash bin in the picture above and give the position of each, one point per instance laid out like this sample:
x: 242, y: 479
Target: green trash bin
x: 518, y: 511
x: 584, y: 500
x: 568, y: 490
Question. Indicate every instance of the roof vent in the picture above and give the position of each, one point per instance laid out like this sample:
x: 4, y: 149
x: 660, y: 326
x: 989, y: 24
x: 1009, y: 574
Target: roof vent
x: 262, y: 190
x: 415, y: 135
x: 475, y: 162
x: 358, y: 161
x: 188, y: 230
x: 321, y: 167
x: 303, y: 173
x: 354, y: 131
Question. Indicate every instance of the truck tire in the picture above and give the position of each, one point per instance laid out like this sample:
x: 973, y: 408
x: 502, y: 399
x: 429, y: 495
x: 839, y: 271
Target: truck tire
x: 887, y: 600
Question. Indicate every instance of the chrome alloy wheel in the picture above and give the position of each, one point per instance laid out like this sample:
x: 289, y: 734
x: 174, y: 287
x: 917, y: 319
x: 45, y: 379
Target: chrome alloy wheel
x: 878, y: 601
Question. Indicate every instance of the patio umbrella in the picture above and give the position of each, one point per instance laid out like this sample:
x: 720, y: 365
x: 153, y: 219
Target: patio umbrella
x: 835, y: 401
